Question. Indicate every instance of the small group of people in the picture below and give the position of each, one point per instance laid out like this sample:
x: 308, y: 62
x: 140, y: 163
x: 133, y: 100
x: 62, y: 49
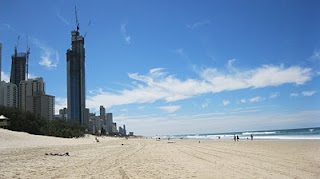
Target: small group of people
x: 236, y: 138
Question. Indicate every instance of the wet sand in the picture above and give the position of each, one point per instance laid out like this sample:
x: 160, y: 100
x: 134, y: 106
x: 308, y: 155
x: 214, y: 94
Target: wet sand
x: 23, y: 156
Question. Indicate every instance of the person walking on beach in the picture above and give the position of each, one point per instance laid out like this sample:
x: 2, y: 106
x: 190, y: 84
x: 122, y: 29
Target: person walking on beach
x: 234, y: 138
x: 251, y: 137
x: 237, y: 138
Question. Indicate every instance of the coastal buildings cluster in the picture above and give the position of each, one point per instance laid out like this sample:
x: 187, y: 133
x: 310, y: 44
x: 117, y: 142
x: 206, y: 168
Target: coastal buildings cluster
x: 30, y: 94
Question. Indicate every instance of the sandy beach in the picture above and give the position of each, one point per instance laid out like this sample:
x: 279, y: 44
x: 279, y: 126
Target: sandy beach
x: 23, y: 156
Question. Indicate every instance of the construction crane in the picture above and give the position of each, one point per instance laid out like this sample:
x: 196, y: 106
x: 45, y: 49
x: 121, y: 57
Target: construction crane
x: 27, y: 57
x: 85, y: 34
x: 77, y: 22
x: 16, y: 47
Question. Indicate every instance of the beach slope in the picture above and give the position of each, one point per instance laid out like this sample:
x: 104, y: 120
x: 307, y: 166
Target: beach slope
x: 23, y: 156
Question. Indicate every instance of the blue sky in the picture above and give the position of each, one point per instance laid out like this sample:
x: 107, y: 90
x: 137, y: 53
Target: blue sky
x: 176, y: 67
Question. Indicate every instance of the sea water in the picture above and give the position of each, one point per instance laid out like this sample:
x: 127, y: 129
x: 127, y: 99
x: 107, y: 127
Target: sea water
x: 312, y: 133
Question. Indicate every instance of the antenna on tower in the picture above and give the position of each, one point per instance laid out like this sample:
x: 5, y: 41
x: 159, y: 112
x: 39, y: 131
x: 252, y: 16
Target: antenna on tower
x: 27, y: 56
x: 77, y: 22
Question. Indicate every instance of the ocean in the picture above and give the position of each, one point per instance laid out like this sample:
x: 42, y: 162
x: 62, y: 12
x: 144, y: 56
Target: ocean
x: 312, y: 133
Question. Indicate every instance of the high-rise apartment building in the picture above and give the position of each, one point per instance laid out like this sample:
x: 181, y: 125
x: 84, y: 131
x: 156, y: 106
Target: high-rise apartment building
x: 0, y: 59
x: 18, y: 67
x: 8, y: 94
x: 32, y: 97
x: 30, y: 87
x: 63, y: 114
x: 41, y: 104
x: 76, y: 79
x: 109, y: 125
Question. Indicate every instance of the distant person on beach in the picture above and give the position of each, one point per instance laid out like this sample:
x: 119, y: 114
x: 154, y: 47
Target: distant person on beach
x: 251, y: 137
x: 234, y: 138
x: 57, y: 154
x: 237, y: 138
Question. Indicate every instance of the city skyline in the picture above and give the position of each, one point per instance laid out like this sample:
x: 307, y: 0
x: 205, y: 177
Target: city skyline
x: 179, y: 67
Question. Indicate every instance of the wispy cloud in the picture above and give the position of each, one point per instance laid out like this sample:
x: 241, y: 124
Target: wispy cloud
x: 170, y: 109
x: 47, y: 54
x: 294, y: 94
x: 159, y: 85
x: 256, y: 99
x: 7, y: 27
x: 198, y: 24
x: 316, y: 54
x: 274, y: 95
x: 181, y: 53
x: 205, y: 104
x: 5, y: 77
x: 125, y: 35
x: 308, y: 93
x: 62, y: 19
x: 225, y: 102
x: 243, y: 100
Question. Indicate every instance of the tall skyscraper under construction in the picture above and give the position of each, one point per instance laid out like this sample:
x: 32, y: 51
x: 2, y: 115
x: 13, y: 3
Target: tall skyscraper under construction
x: 18, y: 67
x: 76, y: 78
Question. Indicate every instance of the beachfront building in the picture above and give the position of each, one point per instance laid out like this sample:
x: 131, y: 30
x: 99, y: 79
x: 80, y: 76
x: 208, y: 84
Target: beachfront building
x: 42, y: 104
x: 8, y: 94
x: 34, y: 99
x: 0, y: 59
x: 120, y: 130
x: 63, y: 114
x: 124, y: 130
x: 114, y: 128
x: 30, y: 87
x: 86, y: 118
x: 76, y: 79
x: 109, y: 124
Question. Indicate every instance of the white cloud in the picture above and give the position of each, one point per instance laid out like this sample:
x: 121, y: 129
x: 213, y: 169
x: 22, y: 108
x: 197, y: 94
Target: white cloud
x: 243, y: 100
x: 274, y: 95
x: 46, y: 55
x: 294, y: 94
x: 170, y: 109
x: 198, y: 24
x: 266, y: 75
x: 60, y: 104
x: 5, y: 77
x: 126, y: 37
x: 256, y: 99
x: 225, y: 102
x: 308, y: 93
x: 158, y: 85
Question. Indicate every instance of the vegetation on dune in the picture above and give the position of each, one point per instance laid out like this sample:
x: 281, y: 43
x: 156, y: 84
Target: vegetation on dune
x: 35, y: 124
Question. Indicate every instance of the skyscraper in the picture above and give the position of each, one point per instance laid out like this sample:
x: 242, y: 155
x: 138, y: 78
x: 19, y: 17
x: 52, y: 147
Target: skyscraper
x: 18, y: 67
x: 0, y: 59
x: 76, y: 79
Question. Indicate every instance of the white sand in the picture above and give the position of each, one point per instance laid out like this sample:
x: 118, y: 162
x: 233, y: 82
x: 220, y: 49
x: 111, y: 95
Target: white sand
x: 23, y: 156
